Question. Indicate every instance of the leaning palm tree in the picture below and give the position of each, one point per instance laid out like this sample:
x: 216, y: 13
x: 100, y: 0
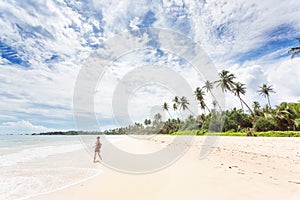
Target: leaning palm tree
x: 209, y: 86
x: 184, y: 104
x: 199, y: 93
x: 226, y: 81
x: 176, y: 104
x: 165, y: 107
x: 295, y: 50
x: 239, y: 88
x: 265, y: 91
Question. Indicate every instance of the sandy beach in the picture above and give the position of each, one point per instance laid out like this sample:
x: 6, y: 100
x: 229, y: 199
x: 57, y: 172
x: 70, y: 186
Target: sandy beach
x: 236, y: 168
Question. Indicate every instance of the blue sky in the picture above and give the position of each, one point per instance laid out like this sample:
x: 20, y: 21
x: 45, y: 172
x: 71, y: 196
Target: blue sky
x: 43, y: 45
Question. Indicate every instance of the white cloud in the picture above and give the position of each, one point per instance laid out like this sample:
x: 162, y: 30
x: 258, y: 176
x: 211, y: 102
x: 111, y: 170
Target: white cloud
x: 37, y: 92
x: 243, y: 25
x: 285, y: 80
x: 22, y: 127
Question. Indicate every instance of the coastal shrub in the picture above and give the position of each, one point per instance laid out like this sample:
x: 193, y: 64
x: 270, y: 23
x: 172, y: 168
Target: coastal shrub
x: 201, y: 132
x: 230, y: 125
x: 297, y: 124
x: 264, y: 124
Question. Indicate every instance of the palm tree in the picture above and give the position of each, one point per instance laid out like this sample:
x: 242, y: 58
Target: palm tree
x: 214, y: 103
x: 256, y: 105
x: 157, y: 118
x: 226, y: 81
x: 265, y: 91
x: 147, y: 122
x: 285, y: 116
x: 176, y: 104
x: 199, y: 93
x: 209, y: 86
x: 184, y: 104
x: 239, y: 88
x: 256, y: 108
x: 295, y: 50
x: 165, y: 107
x: 176, y: 100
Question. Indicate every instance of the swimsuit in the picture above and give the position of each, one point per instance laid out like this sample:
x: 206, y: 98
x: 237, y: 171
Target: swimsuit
x: 97, y: 148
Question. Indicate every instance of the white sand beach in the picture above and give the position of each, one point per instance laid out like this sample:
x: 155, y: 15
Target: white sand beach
x: 237, y: 168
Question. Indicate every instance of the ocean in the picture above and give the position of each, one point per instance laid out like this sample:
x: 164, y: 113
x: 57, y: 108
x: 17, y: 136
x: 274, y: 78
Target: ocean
x: 33, y: 165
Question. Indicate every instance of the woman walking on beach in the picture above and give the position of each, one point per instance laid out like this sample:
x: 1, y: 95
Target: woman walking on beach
x: 97, y: 149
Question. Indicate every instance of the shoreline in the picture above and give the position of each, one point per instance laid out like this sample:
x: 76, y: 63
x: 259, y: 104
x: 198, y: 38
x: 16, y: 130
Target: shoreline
x: 238, y: 167
x: 184, y: 132
x: 62, y: 188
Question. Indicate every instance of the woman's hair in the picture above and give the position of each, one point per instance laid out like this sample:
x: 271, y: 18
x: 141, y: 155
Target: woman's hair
x: 98, y: 137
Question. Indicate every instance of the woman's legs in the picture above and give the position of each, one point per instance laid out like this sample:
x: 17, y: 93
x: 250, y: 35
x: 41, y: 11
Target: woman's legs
x: 99, y: 155
x: 95, y: 157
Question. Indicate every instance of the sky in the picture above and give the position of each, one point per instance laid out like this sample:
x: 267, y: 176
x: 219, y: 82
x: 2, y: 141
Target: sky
x: 44, y: 45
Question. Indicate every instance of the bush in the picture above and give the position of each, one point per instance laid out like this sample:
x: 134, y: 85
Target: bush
x: 264, y: 124
x: 230, y: 125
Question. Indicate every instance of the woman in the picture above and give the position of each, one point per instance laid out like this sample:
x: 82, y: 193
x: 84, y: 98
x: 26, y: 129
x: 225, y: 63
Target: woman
x: 97, y: 148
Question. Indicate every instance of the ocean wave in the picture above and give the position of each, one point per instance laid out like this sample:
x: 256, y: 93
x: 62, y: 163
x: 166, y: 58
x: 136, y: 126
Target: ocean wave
x: 31, y: 153
x: 25, y: 183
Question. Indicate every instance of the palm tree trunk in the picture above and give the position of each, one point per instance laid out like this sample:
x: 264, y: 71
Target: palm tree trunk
x: 269, y: 101
x: 181, y: 115
x: 191, y: 112
x: 246, y: 105
x: 242, y: 105
x: 178, y: 114
x: 170, y: 114
x: 215, y: 100
x: 207, y: 108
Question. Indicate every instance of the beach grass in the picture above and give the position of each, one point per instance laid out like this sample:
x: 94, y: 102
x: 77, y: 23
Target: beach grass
x: 230, y: 133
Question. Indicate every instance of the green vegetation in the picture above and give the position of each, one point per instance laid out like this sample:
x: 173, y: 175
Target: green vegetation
x: 194, y: 132
x: 230, y: 133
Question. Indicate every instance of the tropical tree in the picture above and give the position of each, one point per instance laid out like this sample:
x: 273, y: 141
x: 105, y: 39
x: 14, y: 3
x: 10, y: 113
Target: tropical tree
x: 208, y: 86
x: 295, y: 50
x: 226, y: 81
x: 184, y: 104
x: 214, y: 103
x: 265, y: 91
x: 256, y: 108
x: 147, y: 122
x: 157, y: 118
x: 165, y: 107
x: 256, y: 105
x: 176, y: 104
x: 238, y: 89
x: 286, y: 114
x: 176, y: 100
x: 199, y: 93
